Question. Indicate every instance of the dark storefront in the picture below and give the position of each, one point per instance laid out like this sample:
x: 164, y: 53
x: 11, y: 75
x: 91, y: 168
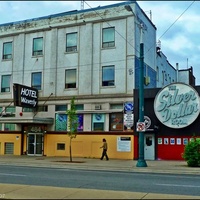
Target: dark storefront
x: 167, y: 143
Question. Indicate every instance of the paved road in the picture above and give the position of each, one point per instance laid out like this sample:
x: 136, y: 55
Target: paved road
x: 102, y: 180
x: 168, y: 168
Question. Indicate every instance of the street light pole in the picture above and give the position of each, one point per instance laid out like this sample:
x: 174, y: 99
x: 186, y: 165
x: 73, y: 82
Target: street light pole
x: 141, y: 162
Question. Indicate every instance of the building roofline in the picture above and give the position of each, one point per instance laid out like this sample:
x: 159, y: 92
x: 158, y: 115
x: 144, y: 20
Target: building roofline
x: 74, y: 12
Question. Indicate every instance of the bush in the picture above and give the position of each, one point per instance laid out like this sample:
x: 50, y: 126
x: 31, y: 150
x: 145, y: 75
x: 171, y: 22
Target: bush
x: 192, y: 153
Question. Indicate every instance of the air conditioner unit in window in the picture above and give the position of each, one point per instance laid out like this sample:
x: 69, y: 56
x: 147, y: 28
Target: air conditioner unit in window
x: 97, y: 107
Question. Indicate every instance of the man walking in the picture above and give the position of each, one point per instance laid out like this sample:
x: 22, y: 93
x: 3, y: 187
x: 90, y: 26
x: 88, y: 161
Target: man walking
x: 105, y: 148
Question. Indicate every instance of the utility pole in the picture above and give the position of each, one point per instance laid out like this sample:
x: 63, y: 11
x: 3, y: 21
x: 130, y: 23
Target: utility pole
x: 141, y: 162
x: 82, y: 5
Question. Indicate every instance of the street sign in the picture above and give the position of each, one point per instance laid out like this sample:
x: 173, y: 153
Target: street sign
x: 140, y: 126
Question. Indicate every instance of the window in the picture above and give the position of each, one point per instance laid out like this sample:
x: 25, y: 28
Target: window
x: 60, y: 146
x: 116, y: 106
x: 5, y: 83
x: 7, y: 50
x: 108, y: 37
x: 10, y: 109
x: 71, y: 42
x: 70, y: 78
x: 9, y: 127
x: 61, y: 122
x: 79, y: 107
x: 108, y: 76
x: 116, y: 122
x: 61, y: 108
x: 28, y: 109
x: 80, y: 122
x: 98, y: 122
x: 157, y: 73
x: 36, y: 81
x: 37, y: 46
x: 42, y: 109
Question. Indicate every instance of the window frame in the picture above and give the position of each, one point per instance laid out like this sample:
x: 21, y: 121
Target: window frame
x: 39, y: 86
x: 68, y: 84
x: 107, y: 83
x: 73, y: 46
x: 3, y: 89
x: 37, y: 51
x: 7, y: 56
x: 107, y: 43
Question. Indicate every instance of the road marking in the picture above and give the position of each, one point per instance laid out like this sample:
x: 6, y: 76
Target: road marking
x: 4, y: 174
x: 174, y: 185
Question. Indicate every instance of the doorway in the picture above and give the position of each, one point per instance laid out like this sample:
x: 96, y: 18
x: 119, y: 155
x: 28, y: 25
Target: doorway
x: 35, y: 144
x: 149, y: 147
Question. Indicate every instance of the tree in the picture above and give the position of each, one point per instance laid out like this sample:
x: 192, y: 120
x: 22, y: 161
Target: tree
x: 72, y: 124
x: 192, y: 153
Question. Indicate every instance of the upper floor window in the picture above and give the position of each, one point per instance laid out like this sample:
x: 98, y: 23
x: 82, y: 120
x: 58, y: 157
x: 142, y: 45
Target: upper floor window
x: 7, y: 50
x: 36, y: 80
x: 42, y: 109
x: 108, y: 76
x: 108, y: 37
x: 5, y: 83
x: 61, y: 108
x: 37, y: 46
x: 71, y: 42
x: 24, y: 109
x: 157, y: 73
x: 70, y: 78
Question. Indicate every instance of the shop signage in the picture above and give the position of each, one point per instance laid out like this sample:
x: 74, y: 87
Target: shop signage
x: 124, y: 144
x: 177, y: 105
x: 25, y: 96
x: 128, y: 116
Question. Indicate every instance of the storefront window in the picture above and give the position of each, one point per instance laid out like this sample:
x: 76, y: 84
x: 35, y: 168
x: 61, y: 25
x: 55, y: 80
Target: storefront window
x: 98, y: 122
x: 9, y: 127
x: 116, y: 122
x: 61, y: 122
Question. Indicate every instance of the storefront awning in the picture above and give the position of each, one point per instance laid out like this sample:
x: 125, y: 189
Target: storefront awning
x: 32, y: 120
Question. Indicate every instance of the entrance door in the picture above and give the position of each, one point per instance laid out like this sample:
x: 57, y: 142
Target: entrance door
x: 149, y: 147
x: 35, y: 144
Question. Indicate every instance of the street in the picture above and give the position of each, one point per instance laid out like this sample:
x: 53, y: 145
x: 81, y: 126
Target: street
x: 104, y: 180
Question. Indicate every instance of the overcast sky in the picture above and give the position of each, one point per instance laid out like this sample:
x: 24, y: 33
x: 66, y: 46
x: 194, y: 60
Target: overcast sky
x: 177, y: 24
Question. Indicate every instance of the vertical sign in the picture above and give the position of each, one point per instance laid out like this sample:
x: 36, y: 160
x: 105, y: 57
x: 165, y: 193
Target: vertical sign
x: 128, y: 116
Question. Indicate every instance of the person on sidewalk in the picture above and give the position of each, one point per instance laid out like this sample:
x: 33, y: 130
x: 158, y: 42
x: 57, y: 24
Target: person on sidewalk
x: 105, y: 148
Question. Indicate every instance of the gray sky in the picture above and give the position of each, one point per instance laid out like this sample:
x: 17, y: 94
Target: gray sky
x: 177, y: 24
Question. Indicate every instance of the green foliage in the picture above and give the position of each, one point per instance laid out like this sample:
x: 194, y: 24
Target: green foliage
x: 192, y: 153
x: 72, y: 124
x: 72, y: 120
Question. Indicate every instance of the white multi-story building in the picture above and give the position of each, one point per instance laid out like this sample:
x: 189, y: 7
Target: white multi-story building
x: 92, y: 55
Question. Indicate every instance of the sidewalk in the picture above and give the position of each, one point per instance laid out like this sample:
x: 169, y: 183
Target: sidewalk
x: 13, y: 191
x: 177, y: 167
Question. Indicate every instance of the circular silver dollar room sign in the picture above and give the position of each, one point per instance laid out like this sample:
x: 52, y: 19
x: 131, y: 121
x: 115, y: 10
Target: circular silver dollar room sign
x: 177, y: 105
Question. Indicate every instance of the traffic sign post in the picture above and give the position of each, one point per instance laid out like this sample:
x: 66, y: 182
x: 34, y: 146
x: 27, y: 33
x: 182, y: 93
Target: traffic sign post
x: 141, y: 127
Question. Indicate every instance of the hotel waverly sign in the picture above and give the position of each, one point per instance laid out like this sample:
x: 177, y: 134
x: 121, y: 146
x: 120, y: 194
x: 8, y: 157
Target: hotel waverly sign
x: 25, y: 96
x: 177, y: 105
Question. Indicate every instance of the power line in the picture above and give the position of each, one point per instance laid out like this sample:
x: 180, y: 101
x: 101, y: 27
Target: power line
x: 176, y: 20
x: 170, y: 26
